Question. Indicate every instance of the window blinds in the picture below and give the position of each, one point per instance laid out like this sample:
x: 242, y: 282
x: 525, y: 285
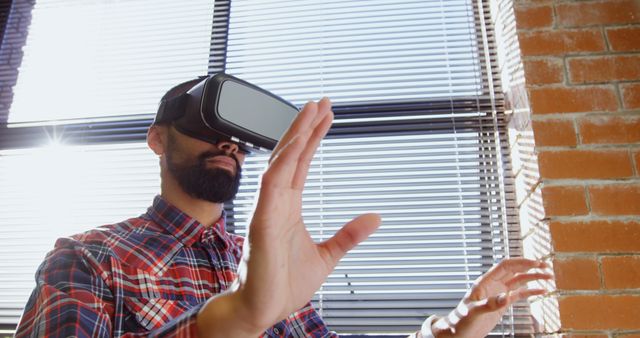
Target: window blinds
x: 418, y: 137
x: 380, y: 51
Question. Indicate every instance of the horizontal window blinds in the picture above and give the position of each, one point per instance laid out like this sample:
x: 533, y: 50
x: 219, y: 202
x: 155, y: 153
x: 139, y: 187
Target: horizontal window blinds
x: 96, y: 59
x: 415, y: 139
x: 57, y: 191
x: 353, y: 51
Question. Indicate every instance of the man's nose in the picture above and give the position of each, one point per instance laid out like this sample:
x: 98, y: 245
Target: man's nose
x: 228, y: 147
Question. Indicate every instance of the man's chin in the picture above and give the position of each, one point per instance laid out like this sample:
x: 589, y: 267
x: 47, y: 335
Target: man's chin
x: 216, y: 172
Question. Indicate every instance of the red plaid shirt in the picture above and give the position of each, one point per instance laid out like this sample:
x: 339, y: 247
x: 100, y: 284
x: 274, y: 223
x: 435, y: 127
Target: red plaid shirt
x: 147, y: 276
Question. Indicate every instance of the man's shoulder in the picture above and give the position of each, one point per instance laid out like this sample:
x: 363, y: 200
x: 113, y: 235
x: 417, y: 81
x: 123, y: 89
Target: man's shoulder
x: 137, y: 242
x: 109, y: 235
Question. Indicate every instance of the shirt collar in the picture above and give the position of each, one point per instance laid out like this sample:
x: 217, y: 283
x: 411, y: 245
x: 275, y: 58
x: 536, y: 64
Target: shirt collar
x: 183, y: 227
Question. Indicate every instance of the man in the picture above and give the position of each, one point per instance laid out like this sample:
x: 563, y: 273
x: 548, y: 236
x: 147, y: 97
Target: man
x: 176, y: 272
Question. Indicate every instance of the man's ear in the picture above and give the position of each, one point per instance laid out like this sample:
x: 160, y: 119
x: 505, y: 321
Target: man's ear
x: 156, y: 139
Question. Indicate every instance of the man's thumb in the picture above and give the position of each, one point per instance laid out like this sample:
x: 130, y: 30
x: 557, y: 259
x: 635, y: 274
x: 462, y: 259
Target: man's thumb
x: 351, y: 234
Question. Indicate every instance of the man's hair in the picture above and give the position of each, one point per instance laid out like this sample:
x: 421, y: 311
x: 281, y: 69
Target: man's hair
x: 177, y: 91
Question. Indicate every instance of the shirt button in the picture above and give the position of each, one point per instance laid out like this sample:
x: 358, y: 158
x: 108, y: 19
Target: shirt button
x: 276, y: 331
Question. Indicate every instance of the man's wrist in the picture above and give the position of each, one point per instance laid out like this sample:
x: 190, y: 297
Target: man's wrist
x: 426, y: 331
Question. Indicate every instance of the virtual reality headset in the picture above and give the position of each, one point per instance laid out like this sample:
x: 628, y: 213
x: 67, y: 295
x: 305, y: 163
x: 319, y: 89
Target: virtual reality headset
x: 223, y: 107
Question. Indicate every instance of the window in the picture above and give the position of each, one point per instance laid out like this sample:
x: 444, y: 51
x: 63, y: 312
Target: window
x: 107, y: 58
x: 419, y: 136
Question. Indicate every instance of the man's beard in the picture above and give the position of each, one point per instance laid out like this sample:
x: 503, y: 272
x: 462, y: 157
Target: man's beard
x: 210, y: 184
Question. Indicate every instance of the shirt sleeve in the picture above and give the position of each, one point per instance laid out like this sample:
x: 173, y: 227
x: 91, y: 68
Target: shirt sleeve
x: 71, y: 298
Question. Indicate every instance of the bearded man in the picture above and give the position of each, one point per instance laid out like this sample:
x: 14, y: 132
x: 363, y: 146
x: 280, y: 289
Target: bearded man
x: 175, y: 271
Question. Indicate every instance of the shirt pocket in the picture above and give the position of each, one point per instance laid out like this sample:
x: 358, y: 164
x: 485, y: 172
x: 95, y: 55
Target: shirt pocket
x: 154, y: 313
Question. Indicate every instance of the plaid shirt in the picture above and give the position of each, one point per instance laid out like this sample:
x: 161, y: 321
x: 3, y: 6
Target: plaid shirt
x: 147, y: 276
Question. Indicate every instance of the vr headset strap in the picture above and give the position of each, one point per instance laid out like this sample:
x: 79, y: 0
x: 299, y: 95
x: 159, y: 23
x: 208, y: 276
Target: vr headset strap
x: 171, y: 109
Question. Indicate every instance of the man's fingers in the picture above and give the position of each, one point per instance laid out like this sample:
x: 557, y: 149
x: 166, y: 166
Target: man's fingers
x: 524, y: 293
x: 352, y: 233
x: 502, y: 300
x: 295, y: 150
x: 508, y: 298
x: 283, y: 165
x: 290, y: 165
x: 484, y: 305
x: 308, y: 118
x: 310, y: 149
x: 509, y: 267
x: 522, y: 279
x: 302, y: 122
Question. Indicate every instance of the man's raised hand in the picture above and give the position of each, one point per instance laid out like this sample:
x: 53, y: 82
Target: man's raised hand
x: 282, y: 267
x: 491, y: 295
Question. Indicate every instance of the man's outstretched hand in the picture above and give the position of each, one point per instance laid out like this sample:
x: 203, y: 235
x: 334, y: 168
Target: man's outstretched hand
x: 491, y: 295
x: 282, y: 267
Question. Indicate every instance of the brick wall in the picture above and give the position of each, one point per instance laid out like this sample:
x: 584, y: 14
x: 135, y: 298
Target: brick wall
x: 574, y: 87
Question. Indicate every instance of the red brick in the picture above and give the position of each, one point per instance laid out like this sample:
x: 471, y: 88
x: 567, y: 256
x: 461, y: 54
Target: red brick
x: 617, y: 199
x: 595, y: 236
x: 564, y: 201
x: 609, y: 130
x: 589, y: 312
x: 534, y: 17
x: 621, y: 272
x: 574, y: 335
x: 550, y: 100
x: 631, y: 335
x: 584, y: 164
x: 577, y: 274
x: 631, y: 95
x: 604, y: 68
x: 636, y: 158
x: 625, y: 39
x: 554, y: 133
x: 560, y: 42
x: 605, y: 12
x: 543, y: 71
